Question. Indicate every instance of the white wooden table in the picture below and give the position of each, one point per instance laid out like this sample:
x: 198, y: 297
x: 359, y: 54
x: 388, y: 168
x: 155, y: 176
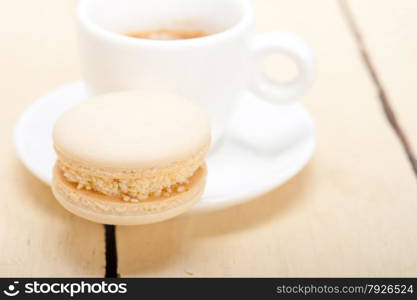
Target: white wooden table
x: 351, y: 212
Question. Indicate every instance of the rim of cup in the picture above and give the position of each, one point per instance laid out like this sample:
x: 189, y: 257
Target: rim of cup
x: 244, y: 22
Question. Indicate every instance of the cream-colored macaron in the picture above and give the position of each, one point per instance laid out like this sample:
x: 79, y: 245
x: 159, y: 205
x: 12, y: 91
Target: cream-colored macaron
x: 131, y: 158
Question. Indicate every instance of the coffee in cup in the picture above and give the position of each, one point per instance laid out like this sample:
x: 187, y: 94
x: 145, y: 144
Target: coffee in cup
x: 168, y: 34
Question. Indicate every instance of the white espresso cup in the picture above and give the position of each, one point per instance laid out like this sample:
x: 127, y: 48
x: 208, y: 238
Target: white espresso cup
x: 214, y: 69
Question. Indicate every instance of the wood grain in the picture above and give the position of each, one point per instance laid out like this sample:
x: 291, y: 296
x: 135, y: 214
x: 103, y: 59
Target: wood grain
x: 389, y: 31
x: 376, y: 75
x: 37, y: 236
x: 349, y: 213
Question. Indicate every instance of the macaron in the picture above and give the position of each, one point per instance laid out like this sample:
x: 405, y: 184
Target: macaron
x: 130, y: 158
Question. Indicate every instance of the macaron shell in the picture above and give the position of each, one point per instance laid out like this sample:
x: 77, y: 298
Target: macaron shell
x: 107, y: 210
x: 132, y: 130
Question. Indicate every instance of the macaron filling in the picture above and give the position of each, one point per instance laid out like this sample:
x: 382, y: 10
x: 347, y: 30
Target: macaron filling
x: 133, y: 185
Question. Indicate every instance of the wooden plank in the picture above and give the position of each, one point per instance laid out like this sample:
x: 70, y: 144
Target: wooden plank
x: 351, y: 212
x: 389, y: 31
x: 37, y: 236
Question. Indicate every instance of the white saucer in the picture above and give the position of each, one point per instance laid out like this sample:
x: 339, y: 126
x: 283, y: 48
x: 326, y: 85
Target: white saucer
x: 265, y: 146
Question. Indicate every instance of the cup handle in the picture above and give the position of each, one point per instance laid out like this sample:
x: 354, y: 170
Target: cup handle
x: 295, y: 48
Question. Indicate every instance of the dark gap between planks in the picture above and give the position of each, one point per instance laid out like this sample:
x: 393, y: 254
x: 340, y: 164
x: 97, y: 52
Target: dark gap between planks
x: 382, y: 95
x: 110, y: 251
